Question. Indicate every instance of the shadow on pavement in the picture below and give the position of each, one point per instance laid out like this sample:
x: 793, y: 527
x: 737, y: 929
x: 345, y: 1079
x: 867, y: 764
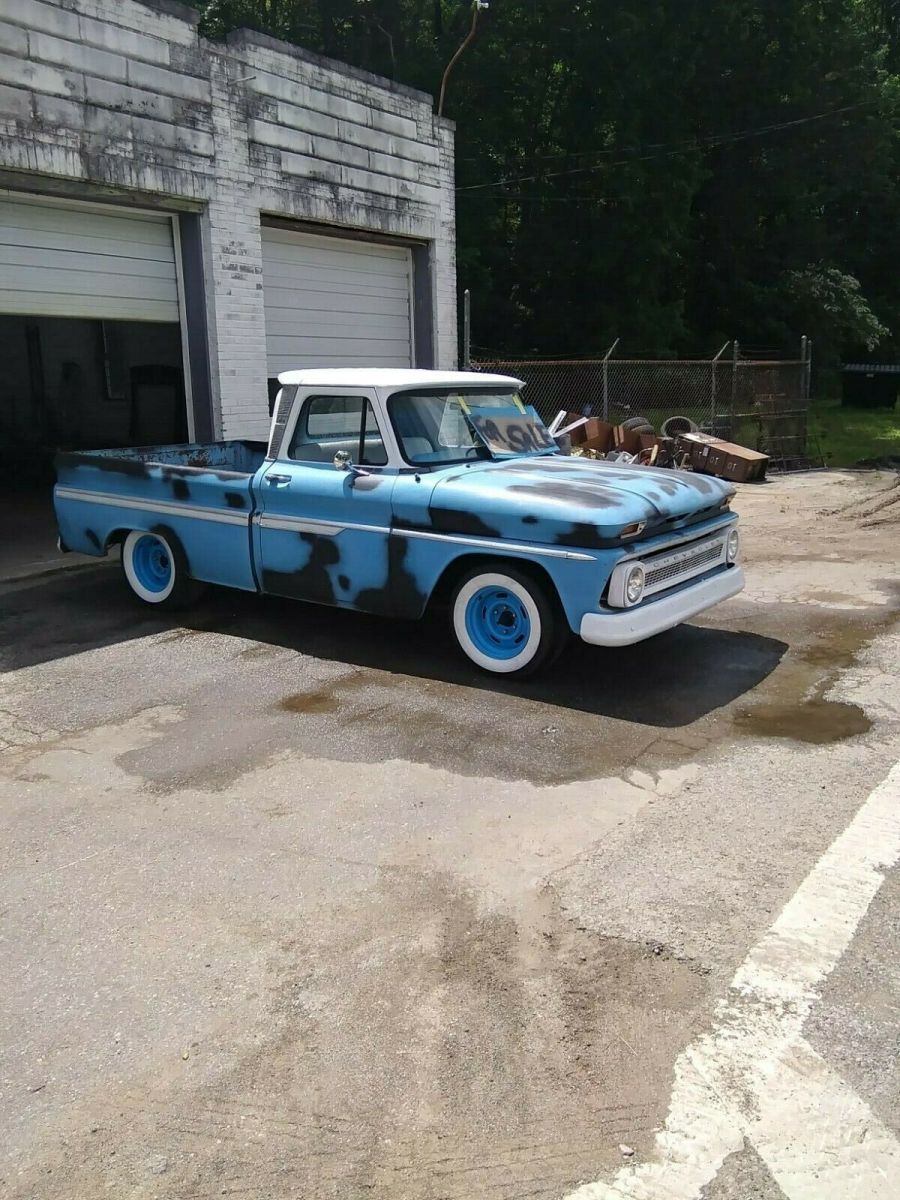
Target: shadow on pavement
x: 668, y: 682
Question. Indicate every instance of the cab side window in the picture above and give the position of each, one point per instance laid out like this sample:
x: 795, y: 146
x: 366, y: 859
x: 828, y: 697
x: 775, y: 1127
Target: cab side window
x: 330, y: 423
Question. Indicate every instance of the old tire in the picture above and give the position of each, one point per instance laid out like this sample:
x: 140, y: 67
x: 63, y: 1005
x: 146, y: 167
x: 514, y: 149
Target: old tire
x: 674, y: 426
x: 156, y: 571
x: 504, y: 621
x: 638, y: 425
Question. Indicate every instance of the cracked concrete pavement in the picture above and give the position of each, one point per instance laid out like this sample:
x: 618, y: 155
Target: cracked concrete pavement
x: 294, y: 904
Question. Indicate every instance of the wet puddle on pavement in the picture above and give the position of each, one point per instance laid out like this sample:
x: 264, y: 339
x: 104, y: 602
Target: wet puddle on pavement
x: 572, y: 726
x: 323, y: 701
x: 817, y: 721
x: 799, y: 711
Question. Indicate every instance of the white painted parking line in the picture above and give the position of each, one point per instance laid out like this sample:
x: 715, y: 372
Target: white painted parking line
x: 754, y: 1078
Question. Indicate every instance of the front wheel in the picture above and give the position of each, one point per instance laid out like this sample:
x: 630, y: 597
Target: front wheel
x: 505, y: 622
x: 156, y: 571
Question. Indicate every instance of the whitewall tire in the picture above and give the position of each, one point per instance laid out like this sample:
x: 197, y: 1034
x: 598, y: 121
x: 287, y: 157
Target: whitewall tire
x: 156, y: 570
x: 503, y: 620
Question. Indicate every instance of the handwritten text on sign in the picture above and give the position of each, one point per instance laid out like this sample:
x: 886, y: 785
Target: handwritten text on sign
x: 512, y: 435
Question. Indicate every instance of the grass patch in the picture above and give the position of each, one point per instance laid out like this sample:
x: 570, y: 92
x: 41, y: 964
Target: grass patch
x: 846, y: 435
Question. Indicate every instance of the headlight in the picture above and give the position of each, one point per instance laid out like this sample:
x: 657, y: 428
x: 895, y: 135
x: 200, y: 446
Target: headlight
x: 732, y: 546
x: 634, y: 585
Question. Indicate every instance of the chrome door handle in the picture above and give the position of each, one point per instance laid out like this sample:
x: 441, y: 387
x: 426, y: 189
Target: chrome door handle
x: 278, y: 480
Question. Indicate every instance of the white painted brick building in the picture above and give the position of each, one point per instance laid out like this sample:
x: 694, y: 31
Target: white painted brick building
x: 279, y: 209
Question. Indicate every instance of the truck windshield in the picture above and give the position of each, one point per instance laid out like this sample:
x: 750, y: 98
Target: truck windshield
x: 439, y: 427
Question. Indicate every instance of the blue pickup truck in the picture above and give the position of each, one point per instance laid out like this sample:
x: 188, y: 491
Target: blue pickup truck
x: 387, y: 491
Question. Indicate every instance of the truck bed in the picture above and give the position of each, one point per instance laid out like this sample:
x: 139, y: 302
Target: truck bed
x: 236, y: 457
x: 198, y: 494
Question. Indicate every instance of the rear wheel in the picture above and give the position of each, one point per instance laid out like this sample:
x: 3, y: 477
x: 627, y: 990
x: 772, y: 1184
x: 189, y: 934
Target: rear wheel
x: 504, y: 622
x: 156, y: 571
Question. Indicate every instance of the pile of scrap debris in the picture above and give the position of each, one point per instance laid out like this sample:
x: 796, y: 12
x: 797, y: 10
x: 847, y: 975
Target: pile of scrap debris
x: 678, y: 444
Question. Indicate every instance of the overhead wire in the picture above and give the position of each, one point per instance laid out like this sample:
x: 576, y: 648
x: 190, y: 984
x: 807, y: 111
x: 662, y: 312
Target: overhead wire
x: 673, y: 149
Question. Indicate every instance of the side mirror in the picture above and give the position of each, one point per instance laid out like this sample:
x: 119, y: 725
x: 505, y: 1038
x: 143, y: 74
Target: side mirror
x: 342, y: 460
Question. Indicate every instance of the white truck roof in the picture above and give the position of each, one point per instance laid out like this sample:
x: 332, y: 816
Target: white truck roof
x: 387, y: 377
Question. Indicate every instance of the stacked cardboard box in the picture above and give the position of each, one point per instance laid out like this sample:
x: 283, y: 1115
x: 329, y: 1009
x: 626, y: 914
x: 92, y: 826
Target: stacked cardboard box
x: 713, y: 456
x: 594, y: 434
x: 705, y: 454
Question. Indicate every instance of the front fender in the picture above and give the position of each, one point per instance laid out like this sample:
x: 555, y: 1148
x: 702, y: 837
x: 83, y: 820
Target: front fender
x: 578, y: 577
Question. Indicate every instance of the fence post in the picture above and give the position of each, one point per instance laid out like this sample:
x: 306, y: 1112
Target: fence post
x: 803, y: 341
x: 735, y: 357
x: 467, y: 330
x: 806, y: 354
x: 712, y: 398
x: 606, y: 359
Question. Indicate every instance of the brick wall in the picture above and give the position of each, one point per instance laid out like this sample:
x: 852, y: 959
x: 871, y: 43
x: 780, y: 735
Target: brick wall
x: 118, y: 96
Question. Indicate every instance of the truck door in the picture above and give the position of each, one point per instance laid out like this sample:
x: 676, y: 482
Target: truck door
x: 323, y: 534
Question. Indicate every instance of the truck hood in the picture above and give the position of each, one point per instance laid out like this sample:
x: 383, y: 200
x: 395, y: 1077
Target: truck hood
x: 571, y: 501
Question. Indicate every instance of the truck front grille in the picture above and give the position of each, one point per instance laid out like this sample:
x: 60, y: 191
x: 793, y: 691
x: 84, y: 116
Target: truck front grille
x: 672, y: 567
x: 670, y: 574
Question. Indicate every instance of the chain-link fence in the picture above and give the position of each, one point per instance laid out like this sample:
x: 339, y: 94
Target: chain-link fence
x: 761, y: 404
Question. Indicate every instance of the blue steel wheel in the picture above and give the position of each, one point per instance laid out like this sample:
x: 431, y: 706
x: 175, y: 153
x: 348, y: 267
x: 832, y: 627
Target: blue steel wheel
x: 503, y: 620
x: 498, y: 622
x: 152, y: 563
x: 156, y: 570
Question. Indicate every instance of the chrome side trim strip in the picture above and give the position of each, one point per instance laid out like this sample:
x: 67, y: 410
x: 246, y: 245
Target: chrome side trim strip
x: 199, y: 512
x: 493, y: 545
x: 310, y: 525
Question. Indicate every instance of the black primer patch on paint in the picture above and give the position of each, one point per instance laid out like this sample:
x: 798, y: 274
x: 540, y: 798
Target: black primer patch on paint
x: 449, y: 520
x: 344, y: 583
x: 589, y: 471
x: 701, y: 484
x: 529, y: 520
x: 170, y: 470
x: 100, y: 462
x: 182, y: 562
x: 180, y: 489
x: 401, y: 595
x: 585, y: 536
x: 235, y: 500
x: 311, y: 581
x: 368, y: 483
x: 93, y: 539
x: 582, y: 494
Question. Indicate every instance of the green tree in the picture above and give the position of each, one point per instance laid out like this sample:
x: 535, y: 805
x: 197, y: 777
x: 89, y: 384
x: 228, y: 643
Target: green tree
x: 661, y: 170
x: 831, y: 304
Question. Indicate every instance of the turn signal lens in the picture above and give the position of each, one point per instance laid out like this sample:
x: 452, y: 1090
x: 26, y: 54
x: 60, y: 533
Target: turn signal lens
x: 633, y: 530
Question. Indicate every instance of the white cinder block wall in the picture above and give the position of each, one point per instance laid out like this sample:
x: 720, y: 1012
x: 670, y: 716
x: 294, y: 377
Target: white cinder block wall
x: 105, y: 97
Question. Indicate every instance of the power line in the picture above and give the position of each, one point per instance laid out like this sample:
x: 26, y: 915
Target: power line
x: 710, y: 137
x: 585, y: 196
x: 673, y: 149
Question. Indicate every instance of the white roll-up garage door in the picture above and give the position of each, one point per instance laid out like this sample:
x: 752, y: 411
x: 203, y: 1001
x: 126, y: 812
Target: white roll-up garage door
x: 60, y: 260
x: 335, y: 302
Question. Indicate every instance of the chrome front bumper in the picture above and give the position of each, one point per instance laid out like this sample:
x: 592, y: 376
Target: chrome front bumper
x: 630, y: 625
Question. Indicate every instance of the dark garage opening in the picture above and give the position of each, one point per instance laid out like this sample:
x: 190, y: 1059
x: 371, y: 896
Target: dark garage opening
x: 77, y: 384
